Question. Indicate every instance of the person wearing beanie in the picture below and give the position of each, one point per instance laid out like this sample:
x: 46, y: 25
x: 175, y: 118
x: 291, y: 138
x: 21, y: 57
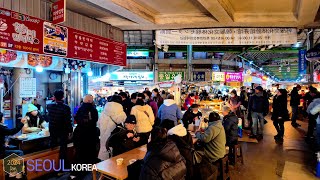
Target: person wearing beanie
x: 125, y: 139
x: 258, y: 108
x: 214, y: 138
x: 34, y: 121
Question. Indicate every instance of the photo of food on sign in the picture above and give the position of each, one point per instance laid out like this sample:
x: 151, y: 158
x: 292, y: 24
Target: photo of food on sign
x: 7, y: 56
x: 39, y: 60
x: 55, y: 39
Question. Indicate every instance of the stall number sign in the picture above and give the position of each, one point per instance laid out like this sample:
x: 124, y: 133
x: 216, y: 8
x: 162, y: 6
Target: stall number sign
x: 169, y: 76
x: 199, y: 76
x: 218, y: 76
x: 28, y: 87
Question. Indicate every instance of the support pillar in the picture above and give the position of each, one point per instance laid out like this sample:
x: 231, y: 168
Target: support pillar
x: 189, y: 63
x: 155, y: 65
x: 16, y: 99
x: 75, y: 90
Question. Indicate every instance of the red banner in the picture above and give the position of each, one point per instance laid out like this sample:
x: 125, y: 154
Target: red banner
x: 87, y: 46
x: 20, y: 32
x: 25, y: 33
x: 59, y: 12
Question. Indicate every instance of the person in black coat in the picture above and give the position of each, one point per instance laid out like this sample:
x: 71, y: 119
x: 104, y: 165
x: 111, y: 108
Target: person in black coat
x: 126, y: 139
x: 60, y: 124
x: 183, y: 140
x: 294, y: 103
x: 163, y: 159
x: 191, y: 115
x: 230, y: 124
x: 85, y: 134
x: 5, y: 131
x: 280, y: 112
x: 126, y: 103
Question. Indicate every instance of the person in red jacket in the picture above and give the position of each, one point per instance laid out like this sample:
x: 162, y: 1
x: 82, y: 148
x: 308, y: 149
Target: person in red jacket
x: 189, y: 101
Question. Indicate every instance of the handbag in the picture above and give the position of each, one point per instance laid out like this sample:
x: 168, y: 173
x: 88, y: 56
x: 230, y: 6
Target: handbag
x: 196, y: 156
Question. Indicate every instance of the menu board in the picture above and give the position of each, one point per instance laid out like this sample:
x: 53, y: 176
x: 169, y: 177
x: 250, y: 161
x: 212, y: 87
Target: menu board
x: 25, y: 33
x: 87, y: 46
x: 28, y: 87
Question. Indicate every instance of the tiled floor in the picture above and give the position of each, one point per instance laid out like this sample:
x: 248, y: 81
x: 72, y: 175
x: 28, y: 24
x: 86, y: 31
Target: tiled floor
x: 294, y: 160
x: 266, y: 160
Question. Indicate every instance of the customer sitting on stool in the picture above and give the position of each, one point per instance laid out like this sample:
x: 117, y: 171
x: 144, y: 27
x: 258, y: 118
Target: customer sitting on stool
x: 230, y: 124
x: 126, y: 139
x: 34, y: 121
x: 214, y: 138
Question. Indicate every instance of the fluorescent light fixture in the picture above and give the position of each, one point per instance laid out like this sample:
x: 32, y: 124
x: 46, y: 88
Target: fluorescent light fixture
x: 39, y: 69
x: 90, y: 73
x: 298, y: 44
x: 250, y: 62
x: 261, y: 69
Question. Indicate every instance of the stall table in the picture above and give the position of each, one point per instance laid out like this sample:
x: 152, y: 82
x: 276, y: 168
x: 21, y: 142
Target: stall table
x: 110, y: 168
x: 34, y: 142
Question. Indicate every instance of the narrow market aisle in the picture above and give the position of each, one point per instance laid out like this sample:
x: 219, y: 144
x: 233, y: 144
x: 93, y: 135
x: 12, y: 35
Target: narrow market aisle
x: 266, y: 160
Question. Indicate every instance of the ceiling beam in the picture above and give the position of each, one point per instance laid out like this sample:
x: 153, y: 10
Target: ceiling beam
x: 219, y: 9
x: 307, y: 11
x: 126, y: 9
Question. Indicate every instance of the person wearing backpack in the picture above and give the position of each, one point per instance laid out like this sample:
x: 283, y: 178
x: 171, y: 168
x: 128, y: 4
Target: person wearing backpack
x: 258, y: 107
x: 124, y: 139
x: 145, y: 120
x: 112, y: 115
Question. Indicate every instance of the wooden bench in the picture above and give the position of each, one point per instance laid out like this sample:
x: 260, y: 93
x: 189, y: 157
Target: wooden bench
x: 50, y: 154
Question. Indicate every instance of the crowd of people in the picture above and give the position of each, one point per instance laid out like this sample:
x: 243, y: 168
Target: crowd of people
x: 154, y: 118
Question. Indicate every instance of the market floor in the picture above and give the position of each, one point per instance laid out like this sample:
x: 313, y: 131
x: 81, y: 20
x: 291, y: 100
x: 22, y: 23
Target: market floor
x: 266, y: 160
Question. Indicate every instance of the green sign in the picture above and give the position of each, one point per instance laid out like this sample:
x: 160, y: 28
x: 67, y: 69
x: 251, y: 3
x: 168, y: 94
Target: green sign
x: 169, y: 76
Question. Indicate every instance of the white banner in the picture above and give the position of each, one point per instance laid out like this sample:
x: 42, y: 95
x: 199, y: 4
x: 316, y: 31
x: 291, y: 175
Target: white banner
x: 227, y: 36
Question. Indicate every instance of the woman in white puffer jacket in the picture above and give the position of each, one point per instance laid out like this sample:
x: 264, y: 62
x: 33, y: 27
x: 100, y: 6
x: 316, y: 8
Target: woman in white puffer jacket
x: 112, y: 114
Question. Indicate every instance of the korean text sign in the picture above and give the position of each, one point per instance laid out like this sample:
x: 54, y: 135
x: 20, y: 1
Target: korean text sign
x: 25, y: 33
x: 302, y: 61
x: 233, y: 77
x: 169, y: 76
x: 199, y: 76
x: 59, y: 11
x: 218, y: 76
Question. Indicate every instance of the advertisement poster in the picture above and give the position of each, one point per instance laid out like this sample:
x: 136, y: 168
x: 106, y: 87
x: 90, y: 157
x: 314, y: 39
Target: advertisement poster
x: 20, y: 32
x: 39, y: 60
x: 59, y: 11
x: 199, y: 76
x: 218, y: 76
x: 55, y: 39
x: 169, y: 76
x: 9, y: 58
x: 28, y: 87
x: 233, y: 77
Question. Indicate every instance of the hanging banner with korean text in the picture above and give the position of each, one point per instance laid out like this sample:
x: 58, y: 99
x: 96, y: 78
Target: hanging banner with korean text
x: 302, y: 61
x: 218, y: 76
x: 233, y: 77
x: 227, y: 36
x: 169, y: 76
x: 29, y: 34
x: 59, y: 11
x: 199, y: 76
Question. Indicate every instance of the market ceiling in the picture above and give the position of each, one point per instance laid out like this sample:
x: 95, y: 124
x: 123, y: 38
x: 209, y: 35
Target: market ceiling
x: 176, y: 14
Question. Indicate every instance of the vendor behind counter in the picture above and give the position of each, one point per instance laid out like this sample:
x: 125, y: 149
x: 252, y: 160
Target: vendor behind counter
x: 34, y: 120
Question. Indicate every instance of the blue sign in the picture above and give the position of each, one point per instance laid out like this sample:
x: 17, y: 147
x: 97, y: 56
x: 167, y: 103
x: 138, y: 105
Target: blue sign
x: 302, y: 61
x: 314, y: 53
x: 215, y: 67
x: 199, y: 76
x: 131, y: 76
